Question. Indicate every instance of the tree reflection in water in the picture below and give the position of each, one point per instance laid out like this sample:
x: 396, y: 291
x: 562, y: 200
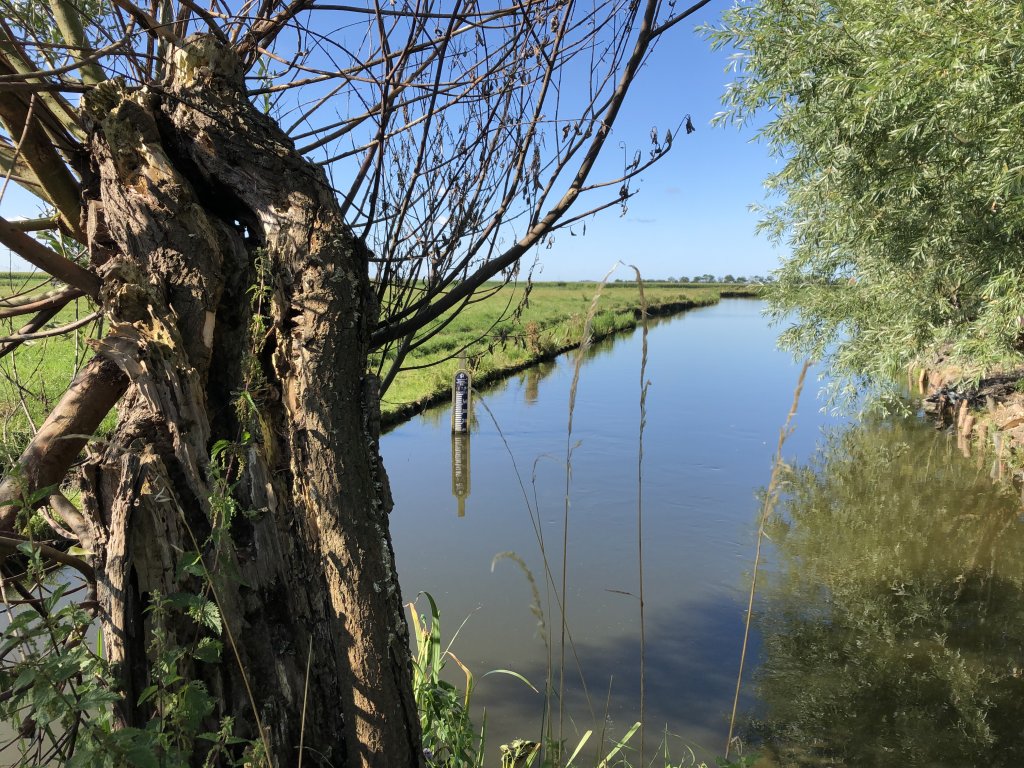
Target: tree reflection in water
x: 893, y: 626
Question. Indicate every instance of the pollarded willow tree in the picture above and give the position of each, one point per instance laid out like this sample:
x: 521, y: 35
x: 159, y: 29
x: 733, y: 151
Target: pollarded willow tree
x: 900, y: 131
x: 268, y: 205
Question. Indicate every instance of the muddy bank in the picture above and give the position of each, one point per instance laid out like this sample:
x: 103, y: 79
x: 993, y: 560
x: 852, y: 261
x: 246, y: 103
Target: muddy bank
x: 988, y: 417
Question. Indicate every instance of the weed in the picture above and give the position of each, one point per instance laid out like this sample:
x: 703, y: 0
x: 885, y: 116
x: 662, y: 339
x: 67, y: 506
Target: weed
x: 60, y: 692
x: 449, y: 738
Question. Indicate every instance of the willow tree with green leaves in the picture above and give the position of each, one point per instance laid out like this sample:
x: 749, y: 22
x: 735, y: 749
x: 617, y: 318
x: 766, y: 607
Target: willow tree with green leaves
x: 899, y: 129
x: 266, y: 206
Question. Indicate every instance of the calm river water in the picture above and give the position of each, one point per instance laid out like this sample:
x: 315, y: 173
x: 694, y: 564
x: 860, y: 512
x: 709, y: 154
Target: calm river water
x: 889, y: 627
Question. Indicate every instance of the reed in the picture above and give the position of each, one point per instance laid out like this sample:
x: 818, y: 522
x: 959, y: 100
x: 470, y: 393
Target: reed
x: 770, y: 498
x: 595, y: 747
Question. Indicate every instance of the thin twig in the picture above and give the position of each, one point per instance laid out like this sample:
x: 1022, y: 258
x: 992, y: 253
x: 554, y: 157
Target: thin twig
x: 769, y: 504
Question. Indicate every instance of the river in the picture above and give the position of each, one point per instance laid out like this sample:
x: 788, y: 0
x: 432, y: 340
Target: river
x: 885, y: 537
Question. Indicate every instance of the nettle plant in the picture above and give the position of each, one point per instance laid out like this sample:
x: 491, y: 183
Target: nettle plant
x: 59, y: 687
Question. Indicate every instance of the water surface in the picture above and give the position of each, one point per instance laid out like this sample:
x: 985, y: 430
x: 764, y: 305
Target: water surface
x: 719, y: 393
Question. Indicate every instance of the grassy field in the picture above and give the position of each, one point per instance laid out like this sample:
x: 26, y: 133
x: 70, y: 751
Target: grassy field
x: 33, y: 379
x: 496, y: 340
x: 550, y: 323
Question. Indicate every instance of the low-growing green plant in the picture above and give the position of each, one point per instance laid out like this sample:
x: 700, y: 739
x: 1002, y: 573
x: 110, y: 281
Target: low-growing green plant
x: 449, y: 738
x: 60, y: 692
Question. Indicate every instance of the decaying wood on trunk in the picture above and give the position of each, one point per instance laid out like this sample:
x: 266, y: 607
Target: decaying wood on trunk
x: 202, y: 199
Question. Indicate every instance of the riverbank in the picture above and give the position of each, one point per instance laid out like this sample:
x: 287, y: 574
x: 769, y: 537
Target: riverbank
x: 988, y: 417
x: 549, y: 324
x: 503, y: 334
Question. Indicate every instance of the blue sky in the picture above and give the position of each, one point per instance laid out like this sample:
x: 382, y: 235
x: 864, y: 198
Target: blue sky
x: 691, y: 214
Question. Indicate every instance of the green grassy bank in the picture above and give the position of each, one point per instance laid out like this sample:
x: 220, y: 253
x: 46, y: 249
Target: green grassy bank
x: 551, y: 323
x: 497, y: 341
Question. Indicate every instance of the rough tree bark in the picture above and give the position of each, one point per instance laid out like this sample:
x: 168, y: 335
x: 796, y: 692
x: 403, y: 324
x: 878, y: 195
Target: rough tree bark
x: 227, y: 269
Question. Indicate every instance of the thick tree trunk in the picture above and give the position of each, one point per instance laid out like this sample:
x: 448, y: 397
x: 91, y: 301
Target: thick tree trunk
x: 241, y: 309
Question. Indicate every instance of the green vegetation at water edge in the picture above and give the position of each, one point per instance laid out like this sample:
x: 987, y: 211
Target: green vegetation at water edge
x: 900, y: 191
x: 498, y: 340
x: 500, y: 335
x: 451, y: 738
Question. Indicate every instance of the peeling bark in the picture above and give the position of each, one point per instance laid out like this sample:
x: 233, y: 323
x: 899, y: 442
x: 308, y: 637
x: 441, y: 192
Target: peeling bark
x: 202, y: 199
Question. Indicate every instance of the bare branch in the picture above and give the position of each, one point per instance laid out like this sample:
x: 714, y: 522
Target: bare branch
x: 49, y: 261
x: 36, y: 225
x: 149, y: 23
x: 71, y: 515
x: 42, y: 318
x: 265, y: 30
x: 39, y: 153
x: 433, y: 306
x: 69, y: 21
x: 212, y: 24
x: 51, y: 332
x: 663, y: 28
x: 14, y: 167
x: 24, y: 305
x: 13, y: 51
x: 96, y: 389
x: 12, y: 545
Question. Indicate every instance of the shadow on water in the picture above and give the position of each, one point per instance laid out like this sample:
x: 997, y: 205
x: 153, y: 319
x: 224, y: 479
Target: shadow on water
x: 686, y: 646
x: 687, y: 696
x: 893, y: 627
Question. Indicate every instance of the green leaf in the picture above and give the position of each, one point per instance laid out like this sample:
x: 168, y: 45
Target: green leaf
x: 219, y: 447
x: 147, y: 693
x: 142, y: 757
x: 194, y: 703
x: 208, y: 649
x: 206, y: 613
x: 191, y: 563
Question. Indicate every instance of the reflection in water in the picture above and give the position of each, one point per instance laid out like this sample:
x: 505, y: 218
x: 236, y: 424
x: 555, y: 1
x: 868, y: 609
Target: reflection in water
x: 706, y: 450
x: 893, y: 629
x: 532, y: 378
x: 460, y: 469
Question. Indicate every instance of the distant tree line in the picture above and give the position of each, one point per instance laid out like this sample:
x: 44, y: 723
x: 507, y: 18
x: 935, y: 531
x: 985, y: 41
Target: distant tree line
x: 709, y: 278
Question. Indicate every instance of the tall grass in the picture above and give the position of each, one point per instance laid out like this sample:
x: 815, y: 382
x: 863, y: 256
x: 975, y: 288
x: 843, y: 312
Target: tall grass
x: 552, y: 749
x: 770, y: 498
x: 644, y: 385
